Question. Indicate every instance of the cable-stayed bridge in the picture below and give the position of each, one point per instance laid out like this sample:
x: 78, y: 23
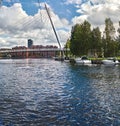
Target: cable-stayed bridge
x: 31, y: 53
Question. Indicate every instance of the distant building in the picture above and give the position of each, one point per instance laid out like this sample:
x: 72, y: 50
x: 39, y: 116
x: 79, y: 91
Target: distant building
x: 34, y: 51
x: 19, y: 52
x: 43, y: 51
x: 19, y: 48
x: 30, y: 43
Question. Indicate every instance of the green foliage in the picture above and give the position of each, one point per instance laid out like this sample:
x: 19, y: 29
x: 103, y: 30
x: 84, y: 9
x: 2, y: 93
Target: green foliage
x: 110, y: 43
x: 80, y: 36
x: 84, y: 40
x: 118, y: 38
x: 67, y: 45
x: 96, y: 41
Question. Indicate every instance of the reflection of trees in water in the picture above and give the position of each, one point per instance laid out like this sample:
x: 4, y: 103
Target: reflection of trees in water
x: 106, y: 85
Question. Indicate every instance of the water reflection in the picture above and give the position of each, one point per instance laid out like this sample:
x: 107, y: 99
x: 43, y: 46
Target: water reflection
x: 106, y: 86
x: 45, y: 92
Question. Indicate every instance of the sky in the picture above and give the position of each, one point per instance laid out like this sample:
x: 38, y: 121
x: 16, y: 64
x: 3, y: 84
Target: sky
x: 21, y: 20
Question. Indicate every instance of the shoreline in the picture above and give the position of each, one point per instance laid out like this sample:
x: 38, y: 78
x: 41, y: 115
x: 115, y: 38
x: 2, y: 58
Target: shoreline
x: 71, y: 60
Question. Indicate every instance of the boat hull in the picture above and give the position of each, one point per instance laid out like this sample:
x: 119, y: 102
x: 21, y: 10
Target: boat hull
x: 109, y: 62
x: 82, y: 61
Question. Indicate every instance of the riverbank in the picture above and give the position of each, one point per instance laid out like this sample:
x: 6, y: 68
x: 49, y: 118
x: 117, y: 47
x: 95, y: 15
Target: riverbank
x: 71, y: 60
x: 94, y: 60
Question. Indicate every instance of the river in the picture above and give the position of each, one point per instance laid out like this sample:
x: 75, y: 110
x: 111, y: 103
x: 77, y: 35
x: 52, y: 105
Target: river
x: 44, y: 92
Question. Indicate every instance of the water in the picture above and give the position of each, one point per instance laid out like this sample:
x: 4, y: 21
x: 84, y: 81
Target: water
x: 44, y: 92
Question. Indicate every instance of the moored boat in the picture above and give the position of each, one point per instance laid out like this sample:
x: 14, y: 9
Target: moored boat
x: 83, y: 60
x: 67, y: 59
x: 110, y: 61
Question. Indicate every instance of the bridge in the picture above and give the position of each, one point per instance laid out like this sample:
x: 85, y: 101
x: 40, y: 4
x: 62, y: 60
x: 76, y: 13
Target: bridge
x: 30, y: 50
x: 32, y: 53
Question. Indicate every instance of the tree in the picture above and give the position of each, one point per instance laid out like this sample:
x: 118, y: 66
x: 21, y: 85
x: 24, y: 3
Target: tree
x: 86, y: 36
x: 75, y: 40
x: 109, y: 37
x: 96, y: 44
x: 67, y: 47
x: 118, y: 38
x: 83, y: 40
x: 119, y: 31
x: 109, y: 29
x: 80, y: 39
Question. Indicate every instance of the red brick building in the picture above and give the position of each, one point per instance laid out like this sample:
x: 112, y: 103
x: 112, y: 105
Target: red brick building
x: 34, y: 51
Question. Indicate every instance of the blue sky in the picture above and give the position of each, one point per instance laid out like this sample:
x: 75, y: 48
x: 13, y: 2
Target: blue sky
x: 25, y: 19
x: 60, y: 7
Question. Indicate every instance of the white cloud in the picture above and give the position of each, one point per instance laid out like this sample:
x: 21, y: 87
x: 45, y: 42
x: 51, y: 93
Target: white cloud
x: 96, y: 11
x: 16, y: 27
x: 113, y: 1
x: 73, y: 1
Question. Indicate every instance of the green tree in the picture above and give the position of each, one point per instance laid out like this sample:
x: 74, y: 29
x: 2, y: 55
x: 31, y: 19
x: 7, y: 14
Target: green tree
x: 86, y: 36
x: 109, y: 37
x: 96, y: 40
x: 80, y: 39
x: 67, y: 47
x: 75, y: 40
x: 119, y: 32
x: 118, y: 38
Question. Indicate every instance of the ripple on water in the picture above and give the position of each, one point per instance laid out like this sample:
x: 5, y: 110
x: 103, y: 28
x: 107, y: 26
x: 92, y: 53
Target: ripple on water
x: 45, y: 92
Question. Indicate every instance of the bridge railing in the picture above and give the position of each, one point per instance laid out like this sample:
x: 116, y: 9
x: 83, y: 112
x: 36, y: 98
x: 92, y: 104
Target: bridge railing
x: 30, y: 50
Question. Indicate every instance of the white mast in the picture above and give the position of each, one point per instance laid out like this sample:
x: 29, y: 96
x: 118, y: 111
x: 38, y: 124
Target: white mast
x: 54, y: 31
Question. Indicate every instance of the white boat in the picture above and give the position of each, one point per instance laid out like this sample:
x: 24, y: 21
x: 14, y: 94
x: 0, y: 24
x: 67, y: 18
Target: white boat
x: 110, y: 61
x: 83, y: 60
x: 67, y: 59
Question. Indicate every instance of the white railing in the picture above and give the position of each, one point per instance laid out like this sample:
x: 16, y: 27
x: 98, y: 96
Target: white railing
x: 30, y: 50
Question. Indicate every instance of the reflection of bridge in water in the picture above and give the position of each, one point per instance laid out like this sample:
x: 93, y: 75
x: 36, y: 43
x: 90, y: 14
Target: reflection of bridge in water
x: 31, y: 53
